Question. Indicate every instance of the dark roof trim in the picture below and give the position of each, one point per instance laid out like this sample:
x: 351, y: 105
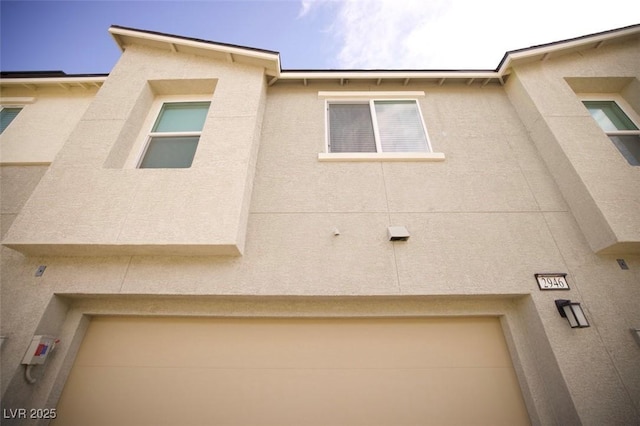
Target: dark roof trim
x: 272, y: 61
x: 387, y: 70
x: 45, y: 74
x: 502, y: 61
x: 560, y: 42
x: 198, y: 40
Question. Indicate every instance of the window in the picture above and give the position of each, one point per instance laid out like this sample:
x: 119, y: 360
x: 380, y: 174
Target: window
x: 377, y: 126
x: 174, y: 137
x: 622, y: 131
x: 7, y: 115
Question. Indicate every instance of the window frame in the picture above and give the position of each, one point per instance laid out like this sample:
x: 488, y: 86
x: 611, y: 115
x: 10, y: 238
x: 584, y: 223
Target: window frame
x: 349, y: 98
x: 3, y: 107
x: 374, y: 121
x: 147, y: 134
x: 14, y: 102
x: 624, y: 107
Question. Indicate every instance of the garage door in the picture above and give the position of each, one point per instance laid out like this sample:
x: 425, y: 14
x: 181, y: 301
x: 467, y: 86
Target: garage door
x: 197, y: 371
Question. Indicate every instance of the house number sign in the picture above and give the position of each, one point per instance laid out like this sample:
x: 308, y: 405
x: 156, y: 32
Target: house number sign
x: 552, y: 281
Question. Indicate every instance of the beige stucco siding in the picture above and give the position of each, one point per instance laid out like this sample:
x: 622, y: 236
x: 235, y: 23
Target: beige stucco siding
x: 528, y: 184
x: 42, y: 127
x: 104, y: 206
x: 490, y: 164
x: 16, y: 185
x: 576, y: 150
x: 19, y: 296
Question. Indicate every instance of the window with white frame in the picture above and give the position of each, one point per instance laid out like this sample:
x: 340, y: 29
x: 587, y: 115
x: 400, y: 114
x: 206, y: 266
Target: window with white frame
x: 378, y: 126
x: 620, y: 128
x: 7, y: 115
x: 174, y: 137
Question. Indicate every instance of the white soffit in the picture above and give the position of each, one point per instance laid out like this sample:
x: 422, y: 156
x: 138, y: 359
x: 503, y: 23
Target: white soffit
x: 69, y: 82
x: 397, y: 77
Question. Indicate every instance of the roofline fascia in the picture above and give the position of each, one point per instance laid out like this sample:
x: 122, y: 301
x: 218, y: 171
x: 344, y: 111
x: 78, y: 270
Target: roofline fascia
x: 395, y: 74
x: 262, y: 54
x: 557, y: 46
x: 502, y: 70
x: 32, y: 82
x: 215, y: 43
x: 500, y: 73
x: 54, y: 80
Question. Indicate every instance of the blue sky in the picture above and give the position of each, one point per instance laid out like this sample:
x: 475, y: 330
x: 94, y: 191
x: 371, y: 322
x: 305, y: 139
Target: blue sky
x: 309, y: 34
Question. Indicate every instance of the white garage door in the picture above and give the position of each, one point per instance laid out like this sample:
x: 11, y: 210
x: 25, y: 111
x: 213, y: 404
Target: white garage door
x: 198, y: 371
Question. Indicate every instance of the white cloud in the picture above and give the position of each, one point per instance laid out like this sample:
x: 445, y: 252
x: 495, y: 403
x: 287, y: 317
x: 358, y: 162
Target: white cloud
x: 458, y: 34
x: 385, y: 34
x: 305, y: 7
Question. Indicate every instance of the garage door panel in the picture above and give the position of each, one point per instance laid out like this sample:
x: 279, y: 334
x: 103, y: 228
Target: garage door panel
x: 234, y: 343
x: 292, y: 396
x: 195, y: 371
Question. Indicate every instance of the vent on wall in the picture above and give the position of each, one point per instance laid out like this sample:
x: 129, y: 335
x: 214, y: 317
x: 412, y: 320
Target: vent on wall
x: 397, y: 233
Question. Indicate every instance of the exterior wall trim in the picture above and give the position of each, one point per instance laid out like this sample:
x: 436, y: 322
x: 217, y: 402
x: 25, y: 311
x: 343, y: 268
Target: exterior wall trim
x: 381, y: 156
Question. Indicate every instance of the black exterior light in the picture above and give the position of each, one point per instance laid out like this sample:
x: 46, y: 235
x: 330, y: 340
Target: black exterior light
x: 572, y: 311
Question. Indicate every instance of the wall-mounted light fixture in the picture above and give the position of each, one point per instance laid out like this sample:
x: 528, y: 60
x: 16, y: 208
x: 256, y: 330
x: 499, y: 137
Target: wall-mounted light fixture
x: 572, y: 311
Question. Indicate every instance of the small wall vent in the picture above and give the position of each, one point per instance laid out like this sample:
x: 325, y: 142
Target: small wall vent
x: 397, y: 233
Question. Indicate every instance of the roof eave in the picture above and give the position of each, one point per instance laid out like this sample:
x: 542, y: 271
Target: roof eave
x: 88, y: 82
x: 269, y: 60
x: 392, y: 76
x: 546, y: 51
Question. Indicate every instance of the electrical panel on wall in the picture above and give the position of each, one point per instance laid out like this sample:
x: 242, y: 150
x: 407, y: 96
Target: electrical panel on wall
x: 39, y: 349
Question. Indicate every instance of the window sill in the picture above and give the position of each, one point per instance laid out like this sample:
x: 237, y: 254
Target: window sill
x: 383, y: 156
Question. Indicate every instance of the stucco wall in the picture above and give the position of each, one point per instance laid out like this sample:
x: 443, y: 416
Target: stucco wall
x: 16, y: 185
x: 482, y: 223
x: 602, y: 189
x: 603, y: 192
x: 22, y: 303
x: 42, y: 127
x: 104, y: 207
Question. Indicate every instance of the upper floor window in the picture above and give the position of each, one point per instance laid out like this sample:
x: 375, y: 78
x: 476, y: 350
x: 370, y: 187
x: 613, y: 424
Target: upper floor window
x: 377, y: 126
x: 620, y: 128
x: 174, y: 136
x: 7, y: 114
